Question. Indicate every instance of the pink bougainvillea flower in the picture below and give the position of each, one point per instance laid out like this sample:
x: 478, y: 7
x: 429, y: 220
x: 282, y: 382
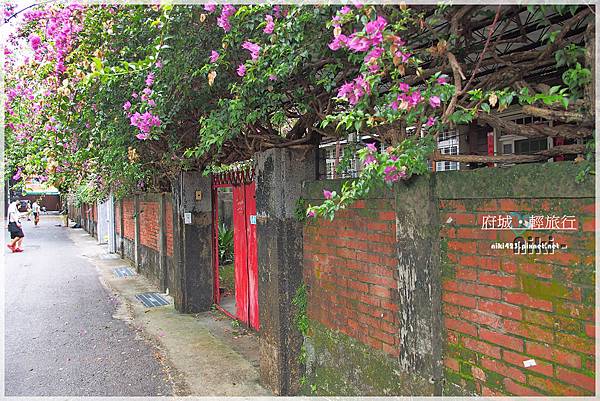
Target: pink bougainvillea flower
x: 414, y: 98
x: 327, y: 194
x: 394, y: 105
x: 126, y: 106
x: 210, y: 7
x: 371, y: 147
x: 158, y: 64
x: 272, y: 77
x: 404, y: 87
x: 142, y: 136
x: 338, y: 42
x: 345, y: 10
x: 270, y: 24
x: 434, y: 101
x: 358, y: 43
x: 374, y: 54
x: 134, y: 95
x: 151, y: 103
x: 442, y: 80
x: 354, y: 90
x: 335, y: 21
x: 241, y: 70
x: 34, y: 41
x: 150, y: 79
x: 214, y: 56
x: 253, y: 48
x: 374, y: 30
x: 357, y: 4
x: 373, y: 68
x: 369, y: 159
x: 430, y: 121
x: 223, y: 19
x: 17, y: 175
x: 311, y: 213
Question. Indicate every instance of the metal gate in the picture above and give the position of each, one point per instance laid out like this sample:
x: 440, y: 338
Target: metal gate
x: 245, y: 245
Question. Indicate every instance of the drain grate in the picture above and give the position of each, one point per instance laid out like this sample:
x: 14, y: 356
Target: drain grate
x: 152, y: 299
x: 123, y: 272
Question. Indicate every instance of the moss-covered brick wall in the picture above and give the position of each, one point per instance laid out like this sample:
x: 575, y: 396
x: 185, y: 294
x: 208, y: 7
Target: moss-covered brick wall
x: 502, y: 309
x: 498, y: 309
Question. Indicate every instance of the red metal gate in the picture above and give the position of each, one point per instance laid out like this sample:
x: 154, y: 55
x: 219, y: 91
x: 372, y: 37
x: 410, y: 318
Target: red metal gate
x: 245, y: 245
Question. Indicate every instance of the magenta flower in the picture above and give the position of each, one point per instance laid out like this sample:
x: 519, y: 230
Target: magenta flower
x: 415, y: 98
x: 241, y: 70
x: 17, y: 175
x: 369, y: 159
x: 150, y: 79
x: 253, y: 48
x: 374, y: 54
x: 272, y: 77
x: 345, y: 10
x: 277, y: 11
x: 374, y: 30
x: 371, y: 147
x: 338, y: 42
x: 158, y: 64
x: 442, y: 80
x: 134, y: 95
x: 126, y: 106
x: 223, y: 19
x: 151, y: 103
x: 270, y: 24
x: 210, y: 7
x: 430, y: 121
x: 142, y: 136
x: 404, y: 87
x: 311, y: 213
x: 434, y: 101
x: 34, y: 41
x: 358, y: 43
x: 327, y: 194
x: 214, y: 56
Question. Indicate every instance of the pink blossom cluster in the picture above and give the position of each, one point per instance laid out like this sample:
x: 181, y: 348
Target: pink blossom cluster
x: 355, y: 90
x: 223, y: 19
x: 270, y: 24
x: 144, y: 122
x: 253, y: 48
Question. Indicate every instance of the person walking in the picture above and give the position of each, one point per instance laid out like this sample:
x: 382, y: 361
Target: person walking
x: 14, y: 227
x: 35, y: 208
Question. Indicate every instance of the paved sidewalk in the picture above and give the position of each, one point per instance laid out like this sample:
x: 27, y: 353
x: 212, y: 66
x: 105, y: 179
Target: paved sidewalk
x: 207, y: 355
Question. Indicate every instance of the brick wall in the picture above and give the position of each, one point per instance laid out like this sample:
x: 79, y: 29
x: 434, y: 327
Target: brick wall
x: 95, y: 212
x: 502, y: 309
x: 117, y: 218
x: 169, y: 226
x: 149, y: 229
x: 128, y: 221
x: 351, y: 272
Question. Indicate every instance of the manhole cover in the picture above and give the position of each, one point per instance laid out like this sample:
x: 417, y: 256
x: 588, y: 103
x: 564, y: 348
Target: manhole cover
x: 152, y: 299
x: 123, y: 272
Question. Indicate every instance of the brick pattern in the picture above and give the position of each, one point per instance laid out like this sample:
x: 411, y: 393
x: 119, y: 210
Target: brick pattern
x: 117, y: 218
x: 128, y: 221
x: 350, y: 268
x: 501, y: 309
x: 95, y: 212
x: 149, y: 229
x: 169, y: 226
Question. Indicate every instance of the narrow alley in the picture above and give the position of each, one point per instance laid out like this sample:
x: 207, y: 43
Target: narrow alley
x: 71, y: 331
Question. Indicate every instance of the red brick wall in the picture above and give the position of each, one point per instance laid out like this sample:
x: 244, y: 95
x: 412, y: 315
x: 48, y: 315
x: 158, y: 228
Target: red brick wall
x: 351, y: 271
x: 169, y: 226
x: 95, y: 212
x: 117, y: 218
x: 149, y: 229
x: 501, y: 309
x: 128, y: 222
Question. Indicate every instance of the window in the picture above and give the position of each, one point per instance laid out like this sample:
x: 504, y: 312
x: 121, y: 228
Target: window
x: 528, y: 146
x: 448, y: 144
x: 330, y: 163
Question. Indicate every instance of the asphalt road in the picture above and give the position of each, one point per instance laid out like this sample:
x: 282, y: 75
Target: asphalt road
x: 60, y: 336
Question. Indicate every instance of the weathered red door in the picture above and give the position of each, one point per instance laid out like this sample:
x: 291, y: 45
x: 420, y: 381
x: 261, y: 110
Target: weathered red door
x: 244, y: 248
x: 250, y: 190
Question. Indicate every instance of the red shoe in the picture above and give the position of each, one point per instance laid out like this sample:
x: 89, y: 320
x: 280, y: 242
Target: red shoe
x: 18, y: 250
x: 11, y: 247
